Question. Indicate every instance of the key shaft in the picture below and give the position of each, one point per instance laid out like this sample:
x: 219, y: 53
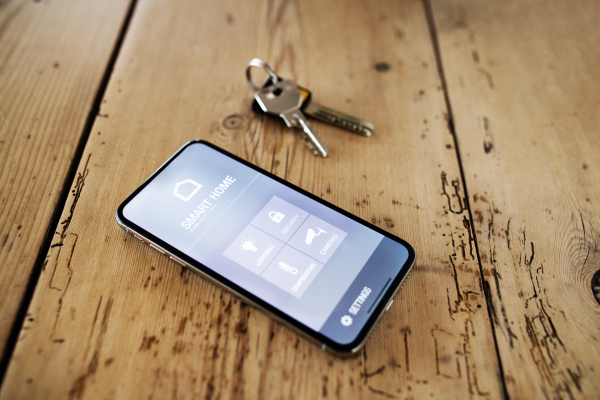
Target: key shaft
x: 298, y: 120
x: 339, y: 119
x: 285, y: 101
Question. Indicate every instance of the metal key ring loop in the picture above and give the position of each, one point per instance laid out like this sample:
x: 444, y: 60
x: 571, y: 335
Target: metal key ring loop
x: 257, y: 62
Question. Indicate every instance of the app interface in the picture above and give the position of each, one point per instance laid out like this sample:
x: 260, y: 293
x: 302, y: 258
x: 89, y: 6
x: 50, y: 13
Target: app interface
x: 313, y: 263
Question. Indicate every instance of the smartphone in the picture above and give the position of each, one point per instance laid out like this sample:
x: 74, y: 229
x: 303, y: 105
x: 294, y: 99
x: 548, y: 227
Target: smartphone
x: 319, y: 269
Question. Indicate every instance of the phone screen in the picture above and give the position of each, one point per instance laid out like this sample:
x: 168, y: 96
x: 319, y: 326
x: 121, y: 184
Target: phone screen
x: 312, y: 264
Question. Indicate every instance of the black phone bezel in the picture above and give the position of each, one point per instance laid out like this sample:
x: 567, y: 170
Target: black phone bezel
x: 330, y: 343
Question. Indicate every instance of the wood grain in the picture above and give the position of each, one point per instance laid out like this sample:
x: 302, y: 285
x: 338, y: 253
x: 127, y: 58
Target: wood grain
x: 111, y: 318
x: 53, y: 55
x: 524, y: 85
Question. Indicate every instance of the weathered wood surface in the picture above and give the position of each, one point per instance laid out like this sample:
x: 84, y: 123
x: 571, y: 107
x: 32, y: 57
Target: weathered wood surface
x: 110, y: 318
x: 524, y: 85
x: 53, y: 55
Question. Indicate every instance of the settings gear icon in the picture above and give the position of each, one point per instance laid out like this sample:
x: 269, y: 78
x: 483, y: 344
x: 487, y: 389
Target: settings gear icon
x: 346, y: 320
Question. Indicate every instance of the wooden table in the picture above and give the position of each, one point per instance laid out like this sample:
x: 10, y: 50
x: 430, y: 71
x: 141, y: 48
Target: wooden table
x: 486, y: 157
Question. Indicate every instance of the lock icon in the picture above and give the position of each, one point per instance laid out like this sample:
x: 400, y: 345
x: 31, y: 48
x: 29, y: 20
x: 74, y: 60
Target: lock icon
x: 276, y: 216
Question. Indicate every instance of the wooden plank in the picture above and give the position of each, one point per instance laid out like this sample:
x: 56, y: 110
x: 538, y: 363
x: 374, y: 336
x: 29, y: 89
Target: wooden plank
x: 523, y: 80
x: 112, y: 318
x: 53, y: 56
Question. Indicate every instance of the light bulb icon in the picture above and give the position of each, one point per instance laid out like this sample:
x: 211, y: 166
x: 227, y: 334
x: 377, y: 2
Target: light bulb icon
x: 248, y: 245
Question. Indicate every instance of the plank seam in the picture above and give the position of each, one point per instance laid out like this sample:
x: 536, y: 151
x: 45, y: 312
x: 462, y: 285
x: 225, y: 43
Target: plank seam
x: 451, y: 128
x: 62, y: 199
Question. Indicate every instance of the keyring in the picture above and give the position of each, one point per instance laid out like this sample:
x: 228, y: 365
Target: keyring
x: 257, y: 62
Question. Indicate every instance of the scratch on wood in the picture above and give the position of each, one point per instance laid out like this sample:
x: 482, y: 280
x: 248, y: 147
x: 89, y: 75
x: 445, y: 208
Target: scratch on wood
x: 406, y: 331
x: 364, y: 364
x: 488, y: 142
x: 479, y: 392
x: 453, y: 245
x: 583, y: 227
x: 450, y: 311
x: 491, y: 233
x: 545, y: 343
x: 456, y: 185
x: 91, y: 335
x: 437, y: 356
x: 445, y: 359
x: 575, y: 377
x: 78, y: 386
x: 528, y: 263
x: 507, y: 234
x: 455, y: 276
x: 381, y: 393
x: 468, y: 368
x: 467, y: 225
x: 462, y: 248
x: 511, y: 336
x: 491, y: 230
x: 66, y: 287
x: 488, y: 76
x: 376, y: 372
x: 76, y: 191
x: 70, y: 271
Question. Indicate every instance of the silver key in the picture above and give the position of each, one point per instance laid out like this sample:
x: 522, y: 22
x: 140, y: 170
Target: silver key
x: 315, y: 110
x: 284, y: 99
x: 339, y: 119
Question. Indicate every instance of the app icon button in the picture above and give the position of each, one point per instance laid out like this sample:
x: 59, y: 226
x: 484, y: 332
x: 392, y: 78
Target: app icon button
x: 253, y: 249
x: 317, y: 239
x: 310, y: 235
x: 346, y: 320
x: 184, y: 187
x: 287, y: 268
x: 276, y: 216
x: 292, y: 271
x: 248, y: 245
x: 279, y: 218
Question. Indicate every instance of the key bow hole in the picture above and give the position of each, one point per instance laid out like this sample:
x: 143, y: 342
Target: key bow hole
x: 274, y: 93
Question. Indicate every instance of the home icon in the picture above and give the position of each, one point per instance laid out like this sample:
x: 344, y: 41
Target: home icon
x: 189, y: 187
